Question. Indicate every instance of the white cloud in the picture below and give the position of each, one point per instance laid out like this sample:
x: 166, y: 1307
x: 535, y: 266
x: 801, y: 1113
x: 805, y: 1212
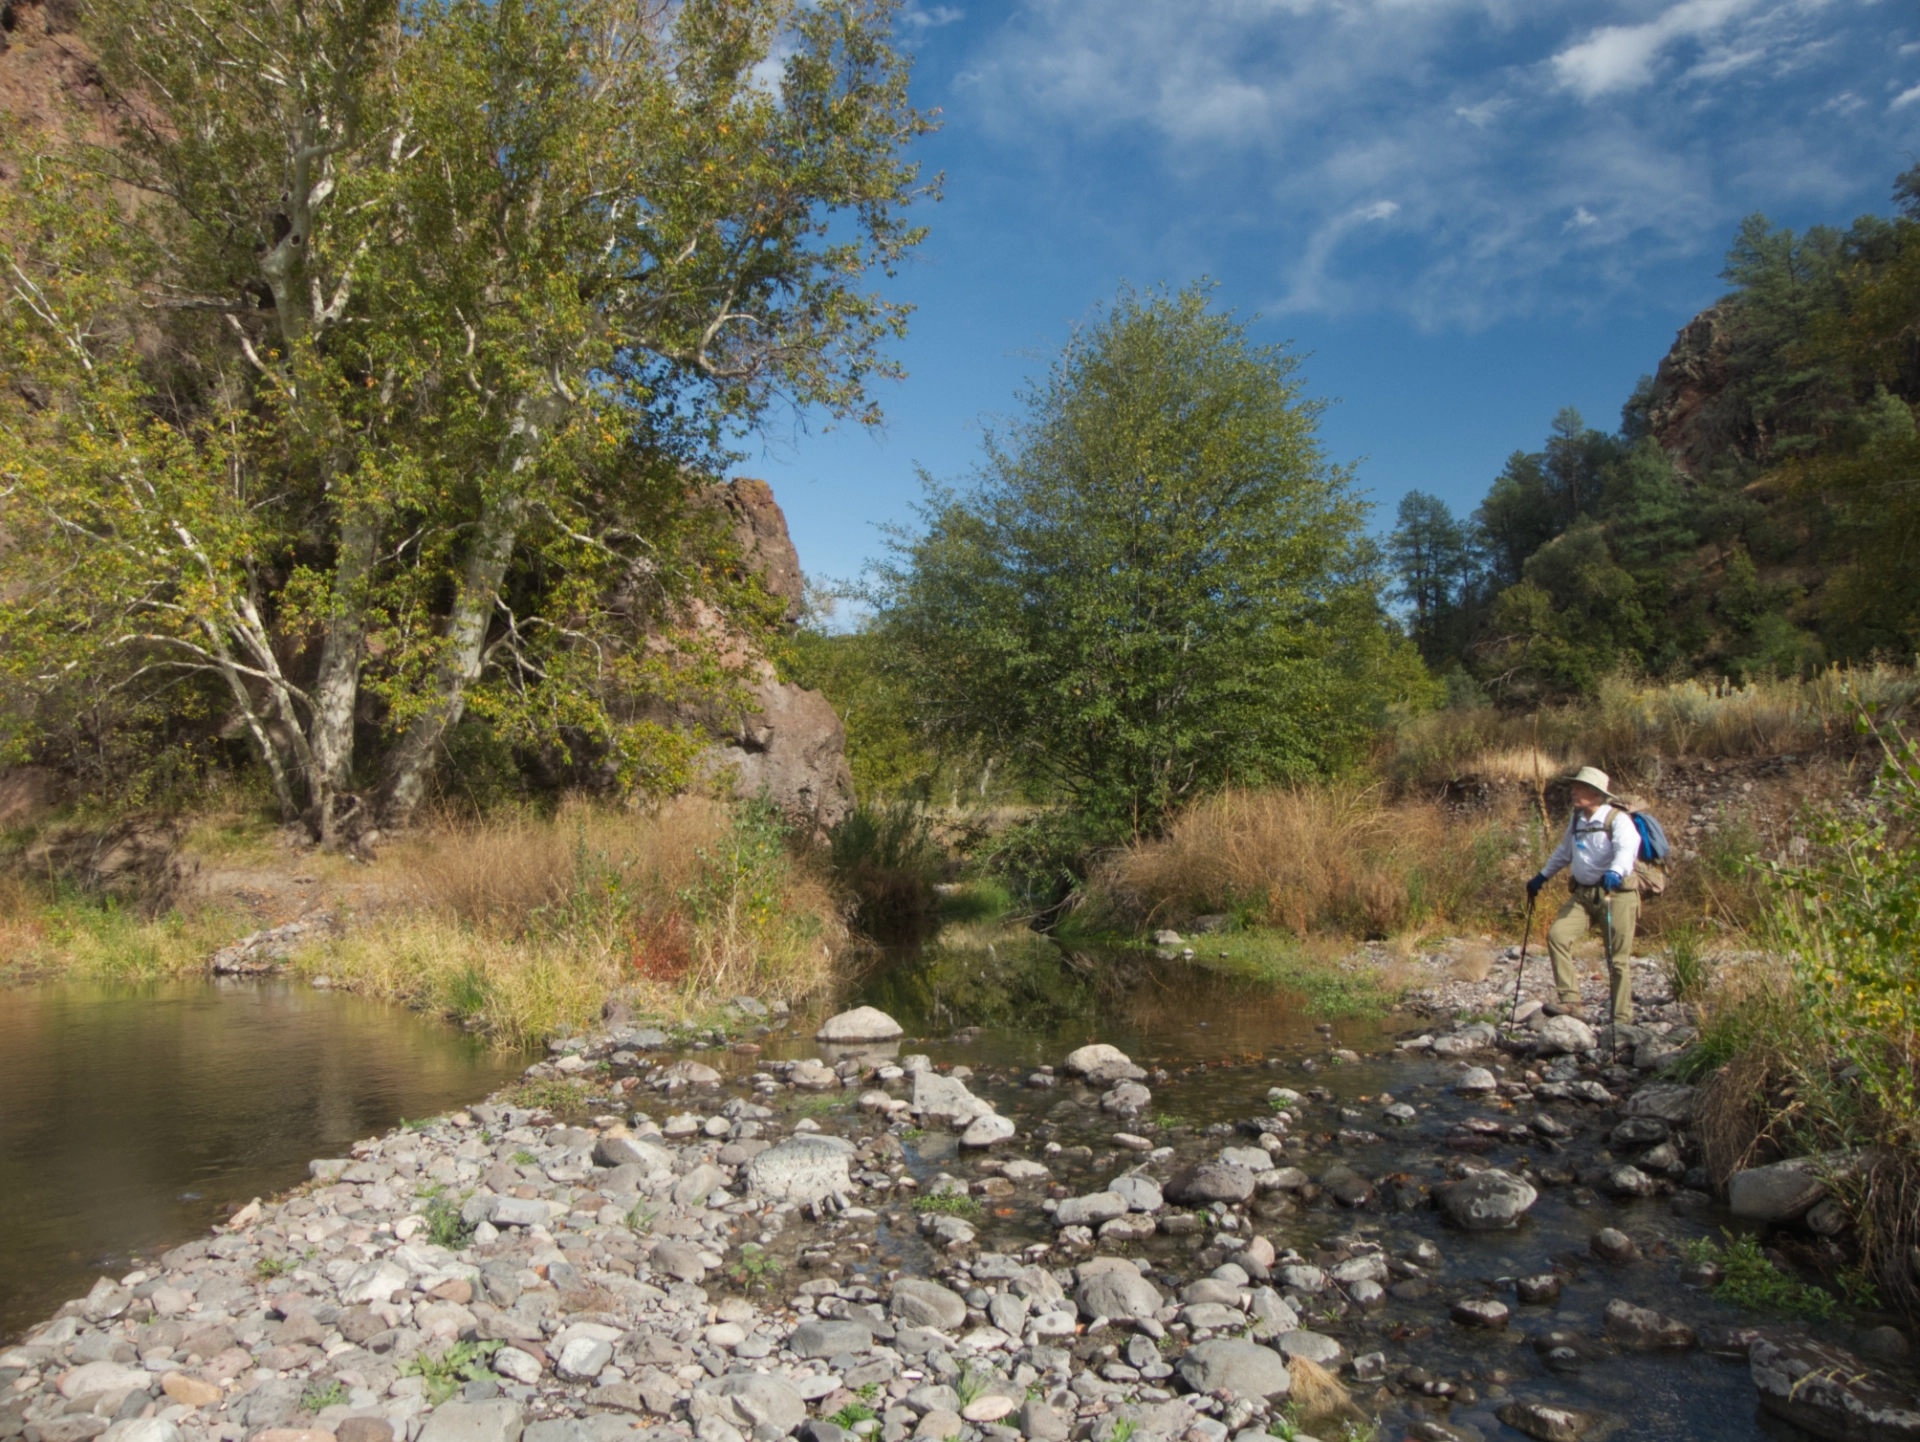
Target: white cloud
x: 1622, y: 57
x: 1535, y: 150
x: 930, y: 18
x: 1905, y: 98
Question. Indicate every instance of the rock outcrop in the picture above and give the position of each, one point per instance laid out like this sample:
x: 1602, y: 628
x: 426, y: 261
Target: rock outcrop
x: 780, y: 740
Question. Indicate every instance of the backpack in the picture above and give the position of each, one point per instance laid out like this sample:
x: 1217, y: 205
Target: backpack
x: 1654, y: 851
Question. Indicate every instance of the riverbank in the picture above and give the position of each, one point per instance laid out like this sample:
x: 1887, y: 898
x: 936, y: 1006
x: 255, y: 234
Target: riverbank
x: 979, y: 1236
x: 518, y: 926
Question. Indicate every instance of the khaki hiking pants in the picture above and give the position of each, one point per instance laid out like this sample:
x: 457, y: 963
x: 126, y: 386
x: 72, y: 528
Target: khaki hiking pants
x: 1587, y: 906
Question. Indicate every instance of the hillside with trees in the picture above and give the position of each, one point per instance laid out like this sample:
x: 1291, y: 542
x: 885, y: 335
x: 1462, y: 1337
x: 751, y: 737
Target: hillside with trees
x: 1750, y: 515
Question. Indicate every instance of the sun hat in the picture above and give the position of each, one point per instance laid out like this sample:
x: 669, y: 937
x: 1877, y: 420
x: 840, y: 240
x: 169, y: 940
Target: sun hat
x: 1594, y: 777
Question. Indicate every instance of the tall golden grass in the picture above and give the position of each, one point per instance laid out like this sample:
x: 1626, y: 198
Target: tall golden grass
x: 1630, y: 724
x: 523, y: 925
x: 1333, y: 858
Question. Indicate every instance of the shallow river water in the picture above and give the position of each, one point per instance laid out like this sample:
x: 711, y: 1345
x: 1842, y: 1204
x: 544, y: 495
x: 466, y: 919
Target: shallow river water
x: 128, y: 1120
x: 131, y: 1117
x: 1223, y: 1046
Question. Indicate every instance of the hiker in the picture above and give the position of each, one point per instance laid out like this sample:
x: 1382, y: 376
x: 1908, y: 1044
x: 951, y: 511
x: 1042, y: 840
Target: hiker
x: 1601, y: 845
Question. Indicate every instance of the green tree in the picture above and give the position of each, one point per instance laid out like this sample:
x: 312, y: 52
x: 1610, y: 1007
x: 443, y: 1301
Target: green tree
x: 494, y: 278
x: 1518, y: 516
x: 1432, y: 558
x: 1157, y: 582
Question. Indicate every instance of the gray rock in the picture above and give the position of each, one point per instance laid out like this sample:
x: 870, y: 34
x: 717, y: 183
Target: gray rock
x: 616, y: 1151
x: 1128, y: 1099
x: 1559, y: 1035
x: 1546, y: 1422
x: 1640, y: 1329
x: 1480, y: 1312
x: 987, y: 1130
x: 1488, y: 1201
x: 1475, y: 1081
x: 498, y: 1420
x: 583, y: 1358
x: 752, y: 1400
x: 1040, y: 1423
x: 1830, y: 1392
x: 502, y: 1212
x: 822, y: 1337
x: 920, y: 1303
x: 697, y: 1185
x: 1622, y: 1182
x: 1312, y: 1346
x: 1671, y: 1103
x: 1543, y: 1288
x: 863, y: 1023
x: 1637, y: 1133
x: 1778, y: 1193
x: 1140, y: 1193
x: 1121, y: 1295
x: 1090, y: 1211
x: 1246, y: 1369
x: 677, y: 1259
x: 1610, y: 1244
x: 945, y: 1098
x: 1095, y: 1056
x: 1211, y: 1182
x: 805, y: 1168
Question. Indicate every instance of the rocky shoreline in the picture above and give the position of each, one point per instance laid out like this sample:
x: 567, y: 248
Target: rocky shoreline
x: 864, y: 1244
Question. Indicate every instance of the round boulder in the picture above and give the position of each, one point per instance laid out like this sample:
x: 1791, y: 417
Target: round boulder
x: 1211, y: 1182
x: 1489, y: 1201
x: 920, y: 1303
x: 1245, y: 1369
x: 863, y: 1023
x: 1121, y: 1294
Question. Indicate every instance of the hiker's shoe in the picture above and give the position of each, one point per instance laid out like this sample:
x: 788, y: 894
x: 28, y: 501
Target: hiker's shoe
x: 1559, y: 1008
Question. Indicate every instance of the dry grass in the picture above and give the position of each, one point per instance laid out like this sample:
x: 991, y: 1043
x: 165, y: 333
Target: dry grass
x: 1629, y: 725
x: 518, y: 925
x: 1315, y: 859
x: 522, y: 925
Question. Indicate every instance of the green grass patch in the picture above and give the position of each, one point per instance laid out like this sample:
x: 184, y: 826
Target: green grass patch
x: 1336, y: 989
x: 1748, y: 1279
x: 952, y: 1204
x: 462, y: 1362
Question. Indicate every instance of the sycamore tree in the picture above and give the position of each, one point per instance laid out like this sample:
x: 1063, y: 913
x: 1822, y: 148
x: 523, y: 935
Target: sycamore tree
x: 370, y: 365
x: 1157, y: 583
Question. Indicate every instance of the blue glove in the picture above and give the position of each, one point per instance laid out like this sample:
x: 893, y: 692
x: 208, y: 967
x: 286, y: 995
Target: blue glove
x: 1612, y: 881
x: 1533, y: 886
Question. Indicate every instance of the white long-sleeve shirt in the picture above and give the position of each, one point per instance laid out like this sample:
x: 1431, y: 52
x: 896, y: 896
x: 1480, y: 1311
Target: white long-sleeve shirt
x: 1595, y: 845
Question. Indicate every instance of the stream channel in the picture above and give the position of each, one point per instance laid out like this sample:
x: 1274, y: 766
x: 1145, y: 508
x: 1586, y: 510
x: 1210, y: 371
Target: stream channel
x: 131, y: 1117
x: 129, y: 1120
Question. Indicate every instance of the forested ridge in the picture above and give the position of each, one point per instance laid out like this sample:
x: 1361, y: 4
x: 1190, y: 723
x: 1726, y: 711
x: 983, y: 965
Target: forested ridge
x: 1753, y: 512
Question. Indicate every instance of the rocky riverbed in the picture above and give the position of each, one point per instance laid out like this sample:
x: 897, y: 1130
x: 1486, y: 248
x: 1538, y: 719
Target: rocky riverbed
x: 1477, y: 1230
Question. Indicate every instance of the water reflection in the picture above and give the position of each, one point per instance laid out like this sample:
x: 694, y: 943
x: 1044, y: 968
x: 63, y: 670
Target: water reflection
x: 129, y: 1118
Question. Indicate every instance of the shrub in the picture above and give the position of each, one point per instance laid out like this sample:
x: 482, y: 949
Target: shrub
x: 887, y: 860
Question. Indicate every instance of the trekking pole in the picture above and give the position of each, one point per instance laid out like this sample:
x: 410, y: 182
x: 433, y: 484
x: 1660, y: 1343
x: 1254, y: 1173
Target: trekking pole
x: 1613, y: 1018
x: 1520, y: 973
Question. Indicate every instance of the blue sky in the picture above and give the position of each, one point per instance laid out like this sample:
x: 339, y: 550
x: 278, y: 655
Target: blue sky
x: 1467, y: 213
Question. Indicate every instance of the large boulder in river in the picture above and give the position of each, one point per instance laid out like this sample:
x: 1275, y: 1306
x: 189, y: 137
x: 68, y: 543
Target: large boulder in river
x: 1245, y: 1369
x: 1211, y: 1182
x: 863, y: 1023
x: 1778, y: 1193
x: 1489, y: 1201
x: 805, y: 1168
x: 1103, y: 1065
x: 1830, y: 1392
x: 946, y: 1098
